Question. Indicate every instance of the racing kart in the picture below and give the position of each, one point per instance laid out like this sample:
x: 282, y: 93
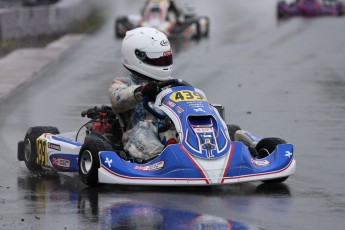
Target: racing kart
x: 157, y: 14
x: 309, y: 8
x: 200, y: 148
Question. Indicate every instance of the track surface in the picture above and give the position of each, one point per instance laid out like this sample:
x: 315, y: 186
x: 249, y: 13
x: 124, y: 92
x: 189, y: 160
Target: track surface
x: 275, y: 79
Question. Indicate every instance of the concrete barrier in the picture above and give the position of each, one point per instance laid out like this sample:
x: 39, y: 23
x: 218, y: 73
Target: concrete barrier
x: 43, y: 20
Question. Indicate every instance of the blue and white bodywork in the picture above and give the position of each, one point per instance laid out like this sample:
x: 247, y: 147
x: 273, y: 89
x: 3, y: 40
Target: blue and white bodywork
x: 204, y: 154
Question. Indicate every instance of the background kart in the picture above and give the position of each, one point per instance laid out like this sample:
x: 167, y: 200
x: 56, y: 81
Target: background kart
x: 309, y: 8
x: 156, y: 13
x: 200, y: 149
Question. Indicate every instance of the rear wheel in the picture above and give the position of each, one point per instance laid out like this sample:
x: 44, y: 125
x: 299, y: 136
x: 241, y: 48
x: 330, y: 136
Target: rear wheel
x: 30, y: 148
x: 340, y: 8
x: 232, y: 130
x: 280, y: 13
x: 89, y: 160
x: 197, y: 34
x: 207, y: 29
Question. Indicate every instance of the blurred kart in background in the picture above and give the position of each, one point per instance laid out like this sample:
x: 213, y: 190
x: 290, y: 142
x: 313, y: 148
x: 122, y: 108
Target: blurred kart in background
x: 165, y: 16
x: 309, y: 8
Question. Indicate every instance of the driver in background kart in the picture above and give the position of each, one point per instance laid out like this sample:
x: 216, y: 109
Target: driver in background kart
x: 172, y: 7
x: 173, y: 13
x: 146, y: 53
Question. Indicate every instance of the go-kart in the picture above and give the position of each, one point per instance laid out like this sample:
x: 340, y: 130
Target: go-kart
x: 200, y: 148
x: 309, y: 8
x: 157, y: 14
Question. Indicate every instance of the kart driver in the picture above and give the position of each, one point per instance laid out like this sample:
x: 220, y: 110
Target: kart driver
x: 172, y: 8
x: 167, y: 15
x: 146, y: 53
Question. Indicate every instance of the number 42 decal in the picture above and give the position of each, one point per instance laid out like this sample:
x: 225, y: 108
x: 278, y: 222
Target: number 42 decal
x: 186, y: 95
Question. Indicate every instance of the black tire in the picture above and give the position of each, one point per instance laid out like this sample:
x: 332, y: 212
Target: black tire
x: 232, y: 130
x: 117, y: 33
x: 280, y: 14
x: 207, y: 28
x: 126, y: 23
x: 276, y: 181
x: 30, y: 149
x: 340, y: 7
x: 197, y: 36
x: 89, y: 159
x: 20, y: 151
x: 265, y: 147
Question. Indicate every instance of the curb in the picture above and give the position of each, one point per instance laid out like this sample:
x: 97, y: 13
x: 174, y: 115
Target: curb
x: 23, y: 65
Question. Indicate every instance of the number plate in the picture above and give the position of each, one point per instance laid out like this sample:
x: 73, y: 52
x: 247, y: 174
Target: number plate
x: 186, y: 95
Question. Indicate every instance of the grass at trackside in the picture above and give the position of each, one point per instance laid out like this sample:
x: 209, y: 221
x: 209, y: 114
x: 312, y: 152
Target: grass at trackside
x: 89, y: 25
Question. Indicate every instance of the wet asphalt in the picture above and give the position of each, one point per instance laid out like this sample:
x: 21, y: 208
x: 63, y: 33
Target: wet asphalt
x: 282, y: 79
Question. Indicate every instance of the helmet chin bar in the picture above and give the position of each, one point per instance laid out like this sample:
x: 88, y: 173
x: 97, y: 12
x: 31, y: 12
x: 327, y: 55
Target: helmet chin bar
x: 145, y: 77
x: 142, y: 76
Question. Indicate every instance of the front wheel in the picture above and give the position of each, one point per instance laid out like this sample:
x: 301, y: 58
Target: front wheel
x: 267, y: 145
x: 264, y: 148
x: 30, y: 148
x: 340, y: 8
x: 117, y: 32
x: 89, y: 160
x: 197, y: 32
x: 280, y: 12
x: 207, y: 28
x: 122, y: 25
x: 276, y: 181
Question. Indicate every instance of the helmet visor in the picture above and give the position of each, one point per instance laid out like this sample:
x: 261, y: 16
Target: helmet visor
x: 155, y: 58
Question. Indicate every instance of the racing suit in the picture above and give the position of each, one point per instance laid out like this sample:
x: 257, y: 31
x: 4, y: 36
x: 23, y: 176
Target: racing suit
x: 141, y: 138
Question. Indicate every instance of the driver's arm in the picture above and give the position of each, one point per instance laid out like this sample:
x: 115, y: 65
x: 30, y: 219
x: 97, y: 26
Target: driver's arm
x: 122, y: 95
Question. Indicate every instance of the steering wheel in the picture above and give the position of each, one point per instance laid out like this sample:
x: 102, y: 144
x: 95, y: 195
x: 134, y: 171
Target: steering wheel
x: 171, y: 83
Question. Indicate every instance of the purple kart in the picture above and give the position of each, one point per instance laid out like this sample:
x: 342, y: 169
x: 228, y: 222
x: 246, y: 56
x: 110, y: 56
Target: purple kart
x: 310, y: 8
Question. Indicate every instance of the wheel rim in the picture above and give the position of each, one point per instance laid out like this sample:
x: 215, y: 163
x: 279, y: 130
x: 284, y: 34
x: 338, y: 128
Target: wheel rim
x: 27, y: 150
x: 86, y: 162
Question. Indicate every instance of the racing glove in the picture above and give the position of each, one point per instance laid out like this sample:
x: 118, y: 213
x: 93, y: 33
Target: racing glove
x: 151, y: 89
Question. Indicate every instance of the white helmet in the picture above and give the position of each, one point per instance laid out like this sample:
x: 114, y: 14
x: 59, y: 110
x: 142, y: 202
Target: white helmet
x: 147, y: 51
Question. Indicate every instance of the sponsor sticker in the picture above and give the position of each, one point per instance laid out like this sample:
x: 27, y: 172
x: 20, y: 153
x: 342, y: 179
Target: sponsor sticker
x: 186, y: 95
x: 164, y: 42
x: 199, y: 110
x: 179, y: 109
x: 261, y: 163
x: 288, y: 154
x: 61, y: 162
x: 167, y: 53
x: 203, y: 130
x: 54, y: 146
x: 149, y: 168
x: 171, y: 104
x: 195, y: 104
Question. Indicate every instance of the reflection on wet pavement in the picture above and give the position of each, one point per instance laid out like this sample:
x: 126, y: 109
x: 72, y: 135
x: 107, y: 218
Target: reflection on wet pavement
x: 127, y: 207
